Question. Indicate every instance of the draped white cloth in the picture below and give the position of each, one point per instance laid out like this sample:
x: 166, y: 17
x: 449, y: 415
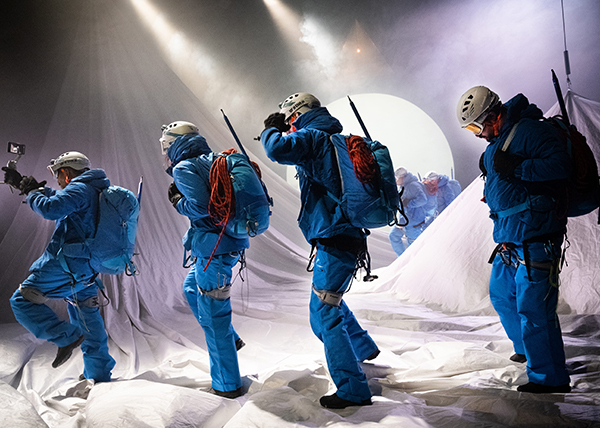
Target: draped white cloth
x: 444, y: 360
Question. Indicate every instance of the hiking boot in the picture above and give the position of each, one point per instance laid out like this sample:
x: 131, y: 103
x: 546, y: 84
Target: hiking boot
x: 518, y: 358
x: 536, y: 388
x: 64, y: 353
x: 228, y: 394
x: 373, y: 355
x: 335, y: 402
x: 239, y: 344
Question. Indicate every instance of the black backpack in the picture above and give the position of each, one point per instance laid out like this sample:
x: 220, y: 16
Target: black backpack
x: 583, y: 187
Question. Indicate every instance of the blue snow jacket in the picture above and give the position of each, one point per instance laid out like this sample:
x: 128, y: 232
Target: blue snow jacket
x: 311, y: 150
x: 414, y: 199
x: 448, y: 190
x: 76, y: 204
x: 190, y: 168
x: 526, y: 206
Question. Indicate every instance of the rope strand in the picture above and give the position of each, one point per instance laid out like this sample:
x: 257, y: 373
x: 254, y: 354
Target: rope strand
x: 365, y: 166
x: 222, y: 200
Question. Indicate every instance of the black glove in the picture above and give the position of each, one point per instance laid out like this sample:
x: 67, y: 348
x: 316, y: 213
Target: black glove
x: 482, y: 166
x: 12, y: 177
x: 174, y: 194
x: 29, y: 183
x: 506, y: 163
x: 277, y: 120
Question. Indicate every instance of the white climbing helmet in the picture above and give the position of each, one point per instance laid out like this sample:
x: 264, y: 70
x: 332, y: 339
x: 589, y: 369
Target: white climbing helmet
x: 432, y: 176
x: 77, y: 161
x: 473, y: 107
x: 400, y: 172
x: 173, y: 130
x: 300, y: 102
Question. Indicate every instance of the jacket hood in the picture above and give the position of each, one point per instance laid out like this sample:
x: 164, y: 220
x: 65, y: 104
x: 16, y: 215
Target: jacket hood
x: 319, y: 118
x: 519, y: 108
x: 186, y: 147
x: 94, y: 177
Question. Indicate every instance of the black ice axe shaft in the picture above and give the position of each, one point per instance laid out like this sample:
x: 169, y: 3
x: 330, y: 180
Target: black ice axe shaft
x: 357, y: 114
x: 561, y: 101
x: 235, y: 137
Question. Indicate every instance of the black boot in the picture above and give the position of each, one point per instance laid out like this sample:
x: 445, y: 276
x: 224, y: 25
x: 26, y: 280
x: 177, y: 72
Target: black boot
x: 518, y: 358
x: 374, y: 355
x: 64, y: 353
x: 228, y: 394
x: 335, y: 402
x: 536, y: 388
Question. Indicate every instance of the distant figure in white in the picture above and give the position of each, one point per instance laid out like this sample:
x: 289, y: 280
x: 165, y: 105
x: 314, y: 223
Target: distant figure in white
x: 414, y: 200
x: 441, y: 191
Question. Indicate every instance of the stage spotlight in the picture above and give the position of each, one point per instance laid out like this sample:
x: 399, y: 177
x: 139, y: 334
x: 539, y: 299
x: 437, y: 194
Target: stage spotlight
x: 287, y: 21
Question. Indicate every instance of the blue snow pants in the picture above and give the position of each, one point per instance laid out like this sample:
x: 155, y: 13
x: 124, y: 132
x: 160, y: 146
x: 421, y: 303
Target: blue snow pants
x: 190, y: 291
x: 214, y: 317
x: 346, y: 343
x: 527, y: 304
x: 51, y: 280
x: 396, y: 234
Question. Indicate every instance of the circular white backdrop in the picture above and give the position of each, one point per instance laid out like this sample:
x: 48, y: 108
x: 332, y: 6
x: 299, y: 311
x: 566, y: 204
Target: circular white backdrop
x: 413, y: 138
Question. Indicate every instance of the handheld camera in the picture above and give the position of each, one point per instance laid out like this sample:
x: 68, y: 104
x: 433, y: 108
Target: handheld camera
x: 15, y: 149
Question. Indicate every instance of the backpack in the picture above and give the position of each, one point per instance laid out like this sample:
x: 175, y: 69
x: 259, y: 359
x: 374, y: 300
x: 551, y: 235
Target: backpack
x: 111, y: 247
x: 369, y: 195
x: 583, y: 186
x: 239, y: 201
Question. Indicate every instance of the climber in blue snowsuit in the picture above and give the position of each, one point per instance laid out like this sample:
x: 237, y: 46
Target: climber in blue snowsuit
x: 441, y: 190
x: 524, y: 189
x: 207, y: 291
x: 73, y: 208
x: 414, y: 200
x: 338, y: 244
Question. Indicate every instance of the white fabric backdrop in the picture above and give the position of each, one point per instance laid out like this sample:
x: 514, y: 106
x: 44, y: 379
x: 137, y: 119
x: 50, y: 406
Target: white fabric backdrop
x: 444, y: 355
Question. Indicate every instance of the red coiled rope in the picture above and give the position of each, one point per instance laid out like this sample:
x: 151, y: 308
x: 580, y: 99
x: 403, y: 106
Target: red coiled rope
x: 222, y: 200
x: 365, y: 166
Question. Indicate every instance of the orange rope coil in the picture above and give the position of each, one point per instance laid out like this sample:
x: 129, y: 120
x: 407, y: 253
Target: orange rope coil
x: 365, y: 166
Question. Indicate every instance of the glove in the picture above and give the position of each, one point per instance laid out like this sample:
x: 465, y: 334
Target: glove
x: 174, y: 194
x: 12, y: 177
x: 277, y: 120
x: 29, y: 184
x: 506, y: 163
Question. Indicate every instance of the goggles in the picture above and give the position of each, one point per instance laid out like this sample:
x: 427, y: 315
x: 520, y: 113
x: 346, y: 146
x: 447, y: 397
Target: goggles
x: 167, y: 139
x: 476, y: 127
x: 53, y: 168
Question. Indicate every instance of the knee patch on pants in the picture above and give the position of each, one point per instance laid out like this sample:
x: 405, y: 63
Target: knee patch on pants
x: 328, y: 297
x: 221, y: 293
x: 33, y: 295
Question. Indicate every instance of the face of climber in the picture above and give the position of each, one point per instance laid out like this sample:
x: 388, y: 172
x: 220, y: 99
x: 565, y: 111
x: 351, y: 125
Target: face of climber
x: 431, y: 186
x: 63, y: 178
x: 491, y: 127
x: 290, y: 121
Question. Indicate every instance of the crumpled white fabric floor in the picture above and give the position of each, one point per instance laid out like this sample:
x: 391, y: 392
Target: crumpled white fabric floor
x: 435, y: 369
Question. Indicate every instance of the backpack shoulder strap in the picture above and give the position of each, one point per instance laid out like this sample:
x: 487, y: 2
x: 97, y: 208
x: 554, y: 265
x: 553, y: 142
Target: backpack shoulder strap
x: 510, y: 137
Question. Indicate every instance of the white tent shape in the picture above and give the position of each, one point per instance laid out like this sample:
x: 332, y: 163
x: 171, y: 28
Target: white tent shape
x: 447, y: 265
